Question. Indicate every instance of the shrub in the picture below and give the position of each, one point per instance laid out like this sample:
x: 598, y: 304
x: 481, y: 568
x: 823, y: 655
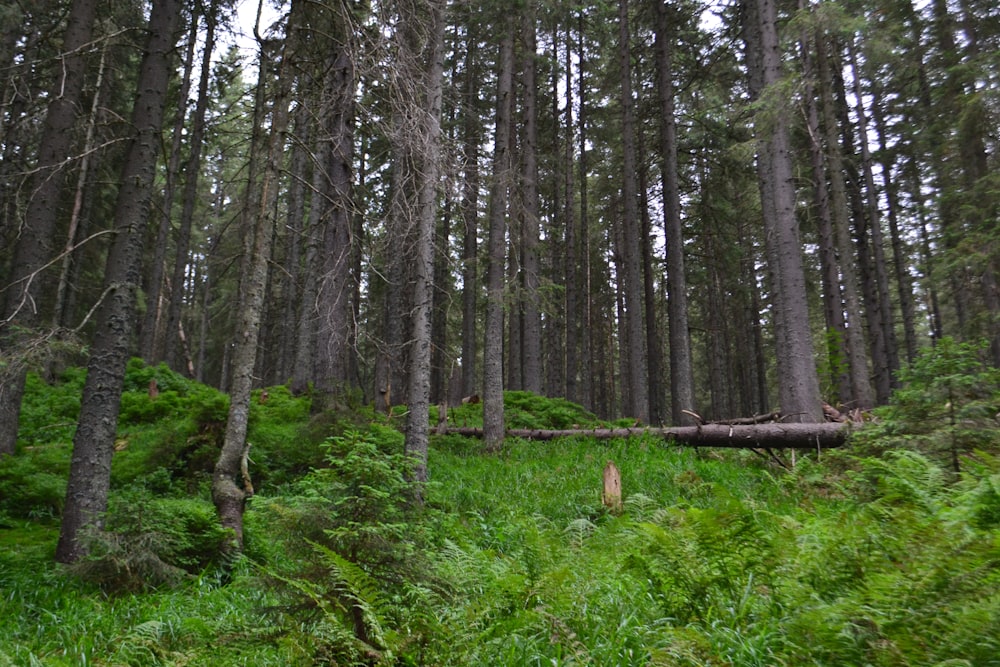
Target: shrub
x: 946, y: 407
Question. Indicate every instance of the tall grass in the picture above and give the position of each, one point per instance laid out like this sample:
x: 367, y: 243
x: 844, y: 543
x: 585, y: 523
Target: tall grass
x: 875, y: 557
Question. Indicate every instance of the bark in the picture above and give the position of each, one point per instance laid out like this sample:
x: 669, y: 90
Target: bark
x: 856, y: 359
x: 305, y: 347
x: 192, y: 172
x: 571, y: 268
x: 531, y: 324
x: 471, y: 140
x: 884, y: 314
x: 334, y: 297
x: 294, y: 276
x: 654, y: 346
x: 900, y: 259
x: 786, y: 435
x: 229, y: 489
x: 93, y: 443
x: 631, y: 280
x: 798, y: 385
x: 424, y: 43
x: 681, y: 365
x: 493, y: 415
x: 152, y: 332
x: 35, y: 244
x: 833, y: 303
x: 587, y: 343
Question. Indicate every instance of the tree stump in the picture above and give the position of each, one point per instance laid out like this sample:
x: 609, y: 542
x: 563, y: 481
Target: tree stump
x: 612, y: 494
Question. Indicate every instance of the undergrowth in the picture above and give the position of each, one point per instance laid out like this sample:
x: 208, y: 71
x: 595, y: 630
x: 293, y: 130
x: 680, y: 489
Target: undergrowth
x: 876, y: 554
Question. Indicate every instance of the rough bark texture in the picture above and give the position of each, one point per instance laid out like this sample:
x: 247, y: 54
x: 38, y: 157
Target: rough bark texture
x: 424, y: 43
x: 229, y: 487
x: 637, y: 404
x: 334, y: 339
x: 36, y: 241
x: 798, y: 384
x: 777, y: 436
x: 173, y: 351
x: 471, y: 140
x: 531, y: 325
x: 493, y: 425
x: 93, y: 444
x: 681, y: 366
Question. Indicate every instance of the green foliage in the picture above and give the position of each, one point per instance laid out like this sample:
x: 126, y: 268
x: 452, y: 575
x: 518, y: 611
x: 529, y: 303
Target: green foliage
x: 946, y: 407
x: 875, y: 554
x: 33, y: 482
x: 523, y: 409
x: 354, y: 525
x: 49, y: 412
x: 149, y: 542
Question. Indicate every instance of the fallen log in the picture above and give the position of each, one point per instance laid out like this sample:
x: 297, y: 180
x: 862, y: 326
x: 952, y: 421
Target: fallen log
x: 772, y: 435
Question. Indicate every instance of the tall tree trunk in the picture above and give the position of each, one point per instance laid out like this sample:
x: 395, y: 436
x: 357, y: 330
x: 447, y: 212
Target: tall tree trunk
x: 471, y: 140
x: 230, y: 483
x: 153, y: 330
x: 61, y: 313
x: 587, y: 341
x: 334, y: 347
x: 423, y: 42
x: 571, y: 267
x: 798, y: 384
x: 860, y: 395
x: 531, y: 325
x: 631, y: 280
x: 192, y: 172
x: 654, y: 346
x: 34, y: 249
x: 900, y: 259
x: 493, y: 413
x: 885, y: 318
x: 838, y: 364
x: 93, y: 443
x: 681, y: 365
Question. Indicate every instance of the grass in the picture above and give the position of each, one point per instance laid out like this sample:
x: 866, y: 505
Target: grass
x: 871, y: 556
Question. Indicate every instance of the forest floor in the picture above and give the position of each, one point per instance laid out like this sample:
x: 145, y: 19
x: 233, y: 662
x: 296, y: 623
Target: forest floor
x: 876, y: 553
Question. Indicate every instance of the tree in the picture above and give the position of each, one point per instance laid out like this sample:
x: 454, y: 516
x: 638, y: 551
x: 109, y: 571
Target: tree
x: 681, y: 368
x: 798, y: 384
x: 93, y: 443
x: 493, y: 419
x: 421, y: 54
x: 230, y: 482
x: 631, y: 281
x: 34, y: 250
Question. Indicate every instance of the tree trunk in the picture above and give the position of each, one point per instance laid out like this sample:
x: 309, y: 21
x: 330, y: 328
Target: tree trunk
x: 681, y: 365
x: 35, y: 243
x: 493, y: 414
x: 833, y: 301
x: 798, y: 385
x: 471, y: 140
x: 423, y: 42
x: 885, y: 318
x: 531, y: 324
x: 853, y: 330
x: 334, y: 297
x: 153, y: 329
x: 93, y: 443
x: 230, y: 486
x: 192, y: 172
x: 631, y: 281
x: 778, y: 436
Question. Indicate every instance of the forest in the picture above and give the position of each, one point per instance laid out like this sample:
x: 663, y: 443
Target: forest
x: 264, y: 267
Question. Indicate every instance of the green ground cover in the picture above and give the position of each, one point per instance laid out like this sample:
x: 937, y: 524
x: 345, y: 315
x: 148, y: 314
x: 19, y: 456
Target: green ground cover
x: 877, y: 554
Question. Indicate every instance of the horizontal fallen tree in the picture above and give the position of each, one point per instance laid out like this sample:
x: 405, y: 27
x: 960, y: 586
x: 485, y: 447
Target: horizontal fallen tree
x: 766, y: 436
